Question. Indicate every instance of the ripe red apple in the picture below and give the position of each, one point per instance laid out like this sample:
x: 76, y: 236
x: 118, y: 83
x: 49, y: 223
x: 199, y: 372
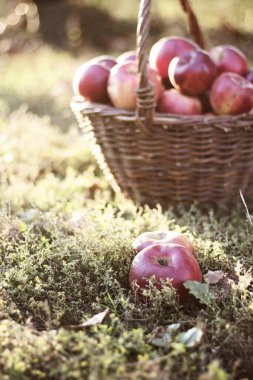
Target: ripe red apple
x: 124, y: 81
x: 231, y: 94
x: 107, y: 61
x: 229, y: 58
x: 165, y: 262
x: 90, y: 81
x: 193, y: 72
x: 163, y: 51
x: 127, y: 56
x: 148, y: 238
x: 249, y: 75
x: 173, y: 101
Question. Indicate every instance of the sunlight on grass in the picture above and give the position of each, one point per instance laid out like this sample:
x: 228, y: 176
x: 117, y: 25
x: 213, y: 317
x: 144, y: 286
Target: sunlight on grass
x: 66, y: 244
x: 44, y: 82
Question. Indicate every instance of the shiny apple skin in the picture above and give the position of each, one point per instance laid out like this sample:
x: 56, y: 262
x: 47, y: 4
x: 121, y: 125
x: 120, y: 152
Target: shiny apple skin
x: 231, y: 94
x: 249, y: 75
x: 127, y: 56
x: 107, y: 61
x: 228, y: 58
x: 173, y: 101
x: 160, y: 237
x: 193, y: 72
x: 90, y: 81
x: 164, y: 50
x: 124, y: 82
x: 180, y: 266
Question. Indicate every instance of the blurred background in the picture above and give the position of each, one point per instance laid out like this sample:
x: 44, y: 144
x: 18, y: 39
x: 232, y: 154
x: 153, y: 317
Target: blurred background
x: 42, y: 42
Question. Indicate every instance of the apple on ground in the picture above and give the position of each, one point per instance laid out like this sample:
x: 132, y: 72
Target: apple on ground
x: 148, y: 238
x: 127, y: 56
x: 90, y: 81
x: 228, y: 58
x: 124, y: 82
x: 193, y: 72
x: 231, y: 94
x: 174, y: 102
x: 164, y: 262
x: 163, y: 51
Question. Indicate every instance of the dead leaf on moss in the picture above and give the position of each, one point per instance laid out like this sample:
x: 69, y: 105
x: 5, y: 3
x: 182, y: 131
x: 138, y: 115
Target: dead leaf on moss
x: 93, y: 321
x: 214, y: 277
x: 219, y: 284
x: 222, y: 289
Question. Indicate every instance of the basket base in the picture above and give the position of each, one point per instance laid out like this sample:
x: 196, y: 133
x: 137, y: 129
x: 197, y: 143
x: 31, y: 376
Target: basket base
x: 181, y: 161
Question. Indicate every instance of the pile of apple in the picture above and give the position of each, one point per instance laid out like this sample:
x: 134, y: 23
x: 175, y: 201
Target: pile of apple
x: 164, y: 256
x: 186, y: 79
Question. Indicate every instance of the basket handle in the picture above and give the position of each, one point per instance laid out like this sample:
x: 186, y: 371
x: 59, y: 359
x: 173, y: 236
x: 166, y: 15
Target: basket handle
x: 145, y: 94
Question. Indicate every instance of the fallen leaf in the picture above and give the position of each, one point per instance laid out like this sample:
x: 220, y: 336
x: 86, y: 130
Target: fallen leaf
x: 166, y: 336
x: 170, y: 336
x: 95, y: 320
x: 200, y: 291
x: 219, y: 283
x: 191, y: 338
x: 213, y: 277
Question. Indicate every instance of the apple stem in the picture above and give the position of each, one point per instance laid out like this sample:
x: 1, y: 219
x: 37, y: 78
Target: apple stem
x: 163, y: 261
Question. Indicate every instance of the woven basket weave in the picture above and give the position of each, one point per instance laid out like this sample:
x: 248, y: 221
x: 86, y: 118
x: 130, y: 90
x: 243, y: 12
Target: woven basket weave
x: 169, y: 159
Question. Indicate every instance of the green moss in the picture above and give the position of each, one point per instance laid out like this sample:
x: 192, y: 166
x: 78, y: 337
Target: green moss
x: 55, y: 273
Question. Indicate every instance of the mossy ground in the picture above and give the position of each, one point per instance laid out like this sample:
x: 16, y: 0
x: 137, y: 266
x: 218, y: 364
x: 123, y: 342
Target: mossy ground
x: 55, y: 274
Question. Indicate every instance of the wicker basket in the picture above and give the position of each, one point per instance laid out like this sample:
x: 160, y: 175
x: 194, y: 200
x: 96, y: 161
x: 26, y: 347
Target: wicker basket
x: 169, y: 159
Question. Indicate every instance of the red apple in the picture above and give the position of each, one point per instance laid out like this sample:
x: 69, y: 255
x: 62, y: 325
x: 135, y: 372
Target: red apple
x: 193, y: 72
x: 165, y: 262
x: 229, y: 58
x: 249, y: 75
x: 163, y: 51
x: 90, y: 81
x: 231, y: 94
x: 107, y: 61
x: 127, y: 56
x: 173, y: 101
x: 124, y: 81
x: 148, y: 238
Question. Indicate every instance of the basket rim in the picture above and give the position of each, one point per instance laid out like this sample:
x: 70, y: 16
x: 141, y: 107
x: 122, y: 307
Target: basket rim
x: 79, y: 104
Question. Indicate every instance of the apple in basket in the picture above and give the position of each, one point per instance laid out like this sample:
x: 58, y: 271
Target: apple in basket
x: 107, y: 61
x: 173, y: 101
x: 91, y: 79
x: 231, y: 94
x: 164, y: 262
x: 249, y: 75
x: 193, y: 72
x: 229, y: 58
x: 123, y: 83
x: 127, y: 56
x: 159, y: 237
x: 164, y: 50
